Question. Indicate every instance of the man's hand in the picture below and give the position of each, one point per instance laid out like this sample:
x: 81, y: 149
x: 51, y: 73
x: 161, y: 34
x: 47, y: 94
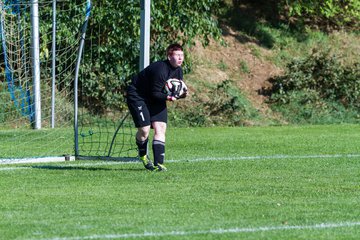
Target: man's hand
x: 171, y: 98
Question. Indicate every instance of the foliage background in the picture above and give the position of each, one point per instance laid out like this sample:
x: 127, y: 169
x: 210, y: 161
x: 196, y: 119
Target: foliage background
x: 114, y: 42
x: 112, y: 52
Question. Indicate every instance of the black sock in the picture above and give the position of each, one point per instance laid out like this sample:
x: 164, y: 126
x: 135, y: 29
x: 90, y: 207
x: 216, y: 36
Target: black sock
x: 142, y: 147
x: 159, y: 152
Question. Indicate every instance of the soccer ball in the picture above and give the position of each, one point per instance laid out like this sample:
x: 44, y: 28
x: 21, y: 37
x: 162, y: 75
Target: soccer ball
x: 175, y: 86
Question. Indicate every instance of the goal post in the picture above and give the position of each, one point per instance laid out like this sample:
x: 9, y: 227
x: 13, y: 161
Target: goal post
x: 35, y: 57
x: 145, y: 33
x: 50, y: 119
x: 76, y: 88
x: 39, y: 46
x: 111, y: 136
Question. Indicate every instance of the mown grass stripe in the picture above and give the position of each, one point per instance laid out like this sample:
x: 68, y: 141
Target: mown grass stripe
x: 268, y: 157
x: 213, y: 231
x: 230, y: 158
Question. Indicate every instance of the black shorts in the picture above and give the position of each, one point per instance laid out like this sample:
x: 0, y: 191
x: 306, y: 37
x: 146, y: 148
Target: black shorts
x: 145, y: 112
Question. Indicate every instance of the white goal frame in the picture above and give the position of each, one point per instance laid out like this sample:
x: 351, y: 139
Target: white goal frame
x: 145, y: 12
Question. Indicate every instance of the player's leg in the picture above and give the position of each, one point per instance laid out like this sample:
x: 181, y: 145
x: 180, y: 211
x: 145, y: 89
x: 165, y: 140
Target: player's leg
x: 158, y: 145
x: 142, y: 139
x: 158, y: 114
x: 141, y: 118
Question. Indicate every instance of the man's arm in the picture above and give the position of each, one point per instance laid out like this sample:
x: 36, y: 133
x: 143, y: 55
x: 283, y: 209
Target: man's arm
x: 158, y: 79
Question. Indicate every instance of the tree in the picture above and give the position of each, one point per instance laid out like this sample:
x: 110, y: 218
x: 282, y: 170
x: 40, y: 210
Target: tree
x: 326, y: 14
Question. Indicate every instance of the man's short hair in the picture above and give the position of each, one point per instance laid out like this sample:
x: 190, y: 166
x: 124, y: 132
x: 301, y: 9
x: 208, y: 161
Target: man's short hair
x: 173, y: 47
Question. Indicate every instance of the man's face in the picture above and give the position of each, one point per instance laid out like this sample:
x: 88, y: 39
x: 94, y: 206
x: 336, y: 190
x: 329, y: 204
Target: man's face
x: 177, y: 58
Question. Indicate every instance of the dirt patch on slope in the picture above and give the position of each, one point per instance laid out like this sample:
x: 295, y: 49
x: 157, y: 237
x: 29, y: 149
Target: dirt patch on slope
x: 243, y: 63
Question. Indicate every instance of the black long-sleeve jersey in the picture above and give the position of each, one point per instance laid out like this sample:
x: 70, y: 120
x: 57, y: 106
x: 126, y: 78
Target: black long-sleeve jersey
x: 149, y: 83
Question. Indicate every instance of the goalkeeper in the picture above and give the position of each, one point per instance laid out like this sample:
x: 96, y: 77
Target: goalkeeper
x: 147, y: 104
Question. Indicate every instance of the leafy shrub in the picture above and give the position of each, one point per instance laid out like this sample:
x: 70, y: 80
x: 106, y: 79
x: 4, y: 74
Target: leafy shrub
x: 316, y: 86
x: 226, y: 106
x: 327, y: 14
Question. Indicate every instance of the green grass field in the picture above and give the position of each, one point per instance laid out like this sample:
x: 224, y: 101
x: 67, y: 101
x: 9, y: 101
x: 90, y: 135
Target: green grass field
x: 299, y: 182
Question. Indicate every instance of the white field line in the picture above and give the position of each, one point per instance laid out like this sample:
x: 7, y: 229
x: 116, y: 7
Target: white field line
x: 35, y: 160
x: 204, y: 159
x: 214, y: 231
x: 266, y: 157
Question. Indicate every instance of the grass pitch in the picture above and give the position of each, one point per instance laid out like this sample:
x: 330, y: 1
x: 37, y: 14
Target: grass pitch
x: 222, y: 183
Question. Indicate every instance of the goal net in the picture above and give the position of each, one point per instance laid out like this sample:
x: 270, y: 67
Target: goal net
x: 38, y: 121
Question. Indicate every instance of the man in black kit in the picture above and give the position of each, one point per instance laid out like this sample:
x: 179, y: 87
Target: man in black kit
x: 147, y: 104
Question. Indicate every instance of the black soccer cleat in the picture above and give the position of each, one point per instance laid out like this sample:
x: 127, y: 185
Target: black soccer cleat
x: 147, y: 163
x: 160, y: 168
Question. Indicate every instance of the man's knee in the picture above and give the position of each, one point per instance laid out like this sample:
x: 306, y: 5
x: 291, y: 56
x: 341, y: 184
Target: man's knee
x: 160, y: 130
x: 143, y: 133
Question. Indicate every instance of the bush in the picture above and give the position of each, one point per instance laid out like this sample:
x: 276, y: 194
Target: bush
x: 327, y: 14
x: 225, y: 107
x: 317, y: 86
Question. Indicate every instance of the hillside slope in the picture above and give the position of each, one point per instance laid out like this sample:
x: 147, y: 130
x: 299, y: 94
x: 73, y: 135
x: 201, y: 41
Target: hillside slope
x: 244, y: 63
x: 254, y: 45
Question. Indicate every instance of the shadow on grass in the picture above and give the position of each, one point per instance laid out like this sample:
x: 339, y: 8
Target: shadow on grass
x: 49, y: 167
